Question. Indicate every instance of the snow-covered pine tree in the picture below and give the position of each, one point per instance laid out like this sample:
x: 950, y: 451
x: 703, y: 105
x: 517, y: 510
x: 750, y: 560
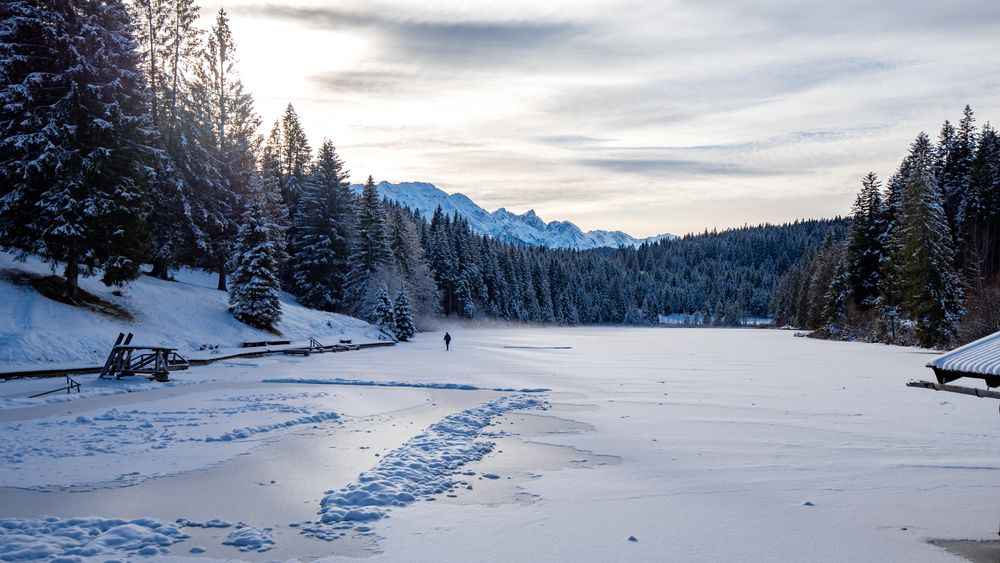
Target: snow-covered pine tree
x: 270, y: 159
x: 405, y: 328
x: 980, y: 209
x: 295, y: 155
x: 866, y: 243
x: 167, y: 39
x: 256, y: 259
x: 382, y: 314
x: 319, y: 257
x: 75, y: 138
x: 930, y: 290
x: 371, y: 254
x: 411, y: 265
x: 226, y: 125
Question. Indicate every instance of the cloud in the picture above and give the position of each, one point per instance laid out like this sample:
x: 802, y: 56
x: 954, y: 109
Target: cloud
x: 666, y: 165
x: 435, y: 42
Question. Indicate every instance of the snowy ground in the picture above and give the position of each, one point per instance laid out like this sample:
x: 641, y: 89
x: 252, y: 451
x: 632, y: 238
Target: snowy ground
x: 699, y: 444
x: 188, y: 314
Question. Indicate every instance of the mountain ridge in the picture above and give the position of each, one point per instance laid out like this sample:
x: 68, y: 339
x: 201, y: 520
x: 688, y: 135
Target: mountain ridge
x: 524, y: 228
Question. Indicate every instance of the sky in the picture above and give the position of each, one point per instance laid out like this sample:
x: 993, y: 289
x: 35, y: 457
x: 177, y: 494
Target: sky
x: 645, y: 116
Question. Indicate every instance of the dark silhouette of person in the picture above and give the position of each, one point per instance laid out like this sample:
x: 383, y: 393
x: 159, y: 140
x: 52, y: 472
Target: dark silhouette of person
x: 447, y: 341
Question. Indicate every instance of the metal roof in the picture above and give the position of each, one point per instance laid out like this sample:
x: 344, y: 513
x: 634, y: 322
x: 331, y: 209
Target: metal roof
x: 981, y: 357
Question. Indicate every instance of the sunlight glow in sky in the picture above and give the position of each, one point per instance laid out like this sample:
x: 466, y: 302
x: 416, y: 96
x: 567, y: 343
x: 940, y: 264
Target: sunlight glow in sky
x: 643, y: 116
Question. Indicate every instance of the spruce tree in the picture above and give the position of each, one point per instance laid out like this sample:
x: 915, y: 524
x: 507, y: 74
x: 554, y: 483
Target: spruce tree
x: 295, y: 155
x: 383, y: 315
x: 411, y: 263
x: 980, y: 209
x: 930, y: 291
x: 168, y: 40
x: 75, y: 138
x: 319, y: 256
x: 225, y: 126
x: 405, y: 328
x: 371, y: 255
x: 866, y: 243
x: 256, y: 260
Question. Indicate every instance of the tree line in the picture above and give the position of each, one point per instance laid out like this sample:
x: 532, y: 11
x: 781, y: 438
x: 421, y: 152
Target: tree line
x: 920, y: 263
x: 127, y: 138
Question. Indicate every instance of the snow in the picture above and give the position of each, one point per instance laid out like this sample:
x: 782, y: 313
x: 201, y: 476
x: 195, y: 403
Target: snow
x: 43, y: 538
x: 526, y: 228
x: 251, y: 539
x: 188, y: 314
x: 731, y: 445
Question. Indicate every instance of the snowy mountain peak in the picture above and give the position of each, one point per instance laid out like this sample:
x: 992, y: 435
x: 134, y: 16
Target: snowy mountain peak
x: 525, y: 228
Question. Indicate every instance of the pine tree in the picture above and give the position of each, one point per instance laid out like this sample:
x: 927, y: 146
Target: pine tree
x: 383, y: 315
x: 270, y: 162
x: 225, y: 126
x: 75, y: 138
x: 405, y: 329
x: 930, y: 291
x: 168, y: 39
x: 411, y: 263
x: 980, y: 209
x: 256, y: 260
x: 319, y: 256
x: 372, y: 256
x: 866, y: 243
x: 295, y: 155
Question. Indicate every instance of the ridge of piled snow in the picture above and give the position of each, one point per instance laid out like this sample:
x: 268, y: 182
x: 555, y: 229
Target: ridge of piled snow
x: 370, y: 383
x: 247, y: 431
x: 525, y: 228
x: 188, y: 314
x: 48, y: 537
x: 422, y: 466
x: 251, y: 539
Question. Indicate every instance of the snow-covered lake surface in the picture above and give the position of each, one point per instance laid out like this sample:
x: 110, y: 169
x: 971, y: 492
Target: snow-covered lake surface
x: 650, y: 445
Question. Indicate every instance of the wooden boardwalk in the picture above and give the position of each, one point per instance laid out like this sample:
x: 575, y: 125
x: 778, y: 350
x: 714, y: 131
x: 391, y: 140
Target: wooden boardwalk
x: 249, y: 353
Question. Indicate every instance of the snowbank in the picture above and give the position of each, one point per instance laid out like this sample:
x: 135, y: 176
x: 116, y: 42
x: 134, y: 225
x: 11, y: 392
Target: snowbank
x: 188, y: 314
x: 33, y: 539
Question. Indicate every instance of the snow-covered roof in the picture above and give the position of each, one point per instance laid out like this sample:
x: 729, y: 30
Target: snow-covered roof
x: 981, y: 358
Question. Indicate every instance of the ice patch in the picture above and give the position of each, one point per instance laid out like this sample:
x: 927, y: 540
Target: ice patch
x: 421, y: 467
x: 365, y: 382
x: 51, y: 538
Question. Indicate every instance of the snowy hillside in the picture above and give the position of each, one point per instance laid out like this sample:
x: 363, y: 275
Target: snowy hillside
x: 526, y: 228
x: 188, y: 314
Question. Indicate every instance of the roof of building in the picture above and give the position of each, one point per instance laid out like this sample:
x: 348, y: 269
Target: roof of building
x: 979, y: 358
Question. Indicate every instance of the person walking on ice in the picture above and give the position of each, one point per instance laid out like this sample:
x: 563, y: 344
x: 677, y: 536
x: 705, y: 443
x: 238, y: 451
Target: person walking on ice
x: 447, y: 341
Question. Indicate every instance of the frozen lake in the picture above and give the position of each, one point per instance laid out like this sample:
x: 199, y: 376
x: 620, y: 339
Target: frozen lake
x: 701, y: 444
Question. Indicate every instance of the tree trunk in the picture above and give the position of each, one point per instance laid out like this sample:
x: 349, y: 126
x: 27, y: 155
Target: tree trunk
x: 160, y: 268
x: 222, y: 276
x: 73, y: 274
